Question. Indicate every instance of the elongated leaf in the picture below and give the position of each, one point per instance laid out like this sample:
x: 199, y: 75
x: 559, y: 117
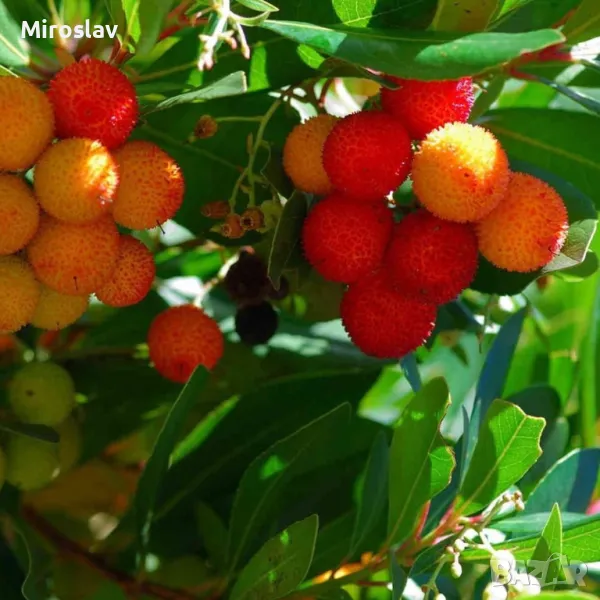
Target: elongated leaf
x: 262, y: 483
x: 280, y: 565
x: 565, y: 596
x: 508, y: 444
x: 131, y: 9
x: 39, y: 432
x: 491, y: 381
x: 464, y: 15
x: 584, y: 24
x: 417, y: 54
x: 158, y: 463
x: 333, y: 544
x: 410, y: 368
x: 570, y: 483
x: 259, y: 5
x: 420, y: 462
x: 399, y: 578
x: 231, y: 85
x: 152, y: 15
x: 13, y: 49
x: 374, y: 492
x: 549, y: 547
x: 525, y: 524
x: 213, y: 533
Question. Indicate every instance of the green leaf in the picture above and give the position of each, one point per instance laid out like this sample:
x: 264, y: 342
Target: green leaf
x: 152, y: 477
x: 258, y: 5
x: 525, y: 524
x: 420, y: 462
x: 417, y: 54
x: 399, y: 577
x: 11, y: 574
x: 464, y: 15
x: 527, y: 15
x: 508, y: 445
x: 565, y: 596
x: 131, y: 9
x: 13, y: 50
x: 152, y: 14
x: 570, y: 483
x: 540, y: 400
x: 410, y: 368
x: 262, y: 482
x: 333, y: 544
x: 280, y: 565
x: 286, y: 241
x: 39, y: 432
x: 584, y: 24
x: 213, y: 533
x: 374, y: 492
x: 548, y: 547
x: 231, y: 85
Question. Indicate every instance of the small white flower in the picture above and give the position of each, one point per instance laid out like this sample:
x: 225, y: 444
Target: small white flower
x: 494, y: 591
x: 503, y: 565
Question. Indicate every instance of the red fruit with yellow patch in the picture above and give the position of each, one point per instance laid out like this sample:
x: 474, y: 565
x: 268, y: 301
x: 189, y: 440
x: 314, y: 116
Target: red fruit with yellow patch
x: 344, y: 239
x: 367, y: 155
x: 180, y: 339
x: 383, y: 322
x: 431, y: 259
x: 423, y: 106
x: 95, y: 100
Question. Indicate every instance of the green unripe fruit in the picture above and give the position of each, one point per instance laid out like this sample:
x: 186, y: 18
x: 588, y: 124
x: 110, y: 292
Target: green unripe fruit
x: 69, y: 446
x: 42, y: 393
x: 30, y: 463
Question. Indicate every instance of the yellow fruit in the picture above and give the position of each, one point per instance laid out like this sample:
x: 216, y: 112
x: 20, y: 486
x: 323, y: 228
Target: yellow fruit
x: 42, y: 393
x: 527, y: 229
x: 26, y: 123
x: 69, y: 446
x: 302, y: 155
x: 19, y: 214
x: 151, y: 186
x: 30, y: 463
x: 460, y: 172
x: 75, y: 180
x: 19, y: 293
x: 56, y: 311
x: 74, y: 259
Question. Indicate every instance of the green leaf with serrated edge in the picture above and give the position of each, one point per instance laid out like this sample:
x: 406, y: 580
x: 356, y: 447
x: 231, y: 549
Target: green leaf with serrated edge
x: 13, y: 49
x: 263, y: 480
x: 258, y: 5
x: 152, y: 14
x: 420, y: 462
x: 584, y: 24
x: 280, y: 565
x: 547, y: 551
x: 231, y: 85
x: 423, y: 55
x: 508, y: 445
x: 286, y: 241
x: 464, y: 15
x: 39, y: 432
x: 581, y: 544
x: 374, y: 491
x: 158, y: 463
x: 582, y: 227
x: 213, y: 534
x: 570, y: 483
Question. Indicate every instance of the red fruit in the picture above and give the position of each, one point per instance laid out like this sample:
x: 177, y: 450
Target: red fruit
x: 426, y: 105
x: 182, y: 338
x: 367, y: 155
x: 344, y: 239
x: 381, y: 321
x: 432, y: 259
x: 95, y: 100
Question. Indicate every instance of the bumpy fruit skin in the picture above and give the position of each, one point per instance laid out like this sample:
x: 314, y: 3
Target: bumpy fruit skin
x: 132, y: 276
x: 344, y: 238
x: 527, y: 229
x: 303, y: 155
x: 423, y: 106
x: 256, y: 324
x: 26, y: 122
x: 367, y: 155
x: 75, y: 180
x: 19, y: 293
x: 30, y: 463
x: 431, y: 259
x: 42, y: 393
x: 56, y: 311
x: 246, y: 280
x: 19, y: 214
x: 182, y: 338
x: 70, y: 444
x: 151, y: 186
x: 460, y: 172
x: 93, y: 99
x: 73, y: 259
x: 382, y: 322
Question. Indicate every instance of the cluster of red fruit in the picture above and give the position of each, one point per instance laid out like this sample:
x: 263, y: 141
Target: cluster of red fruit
x: 468, y: 203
